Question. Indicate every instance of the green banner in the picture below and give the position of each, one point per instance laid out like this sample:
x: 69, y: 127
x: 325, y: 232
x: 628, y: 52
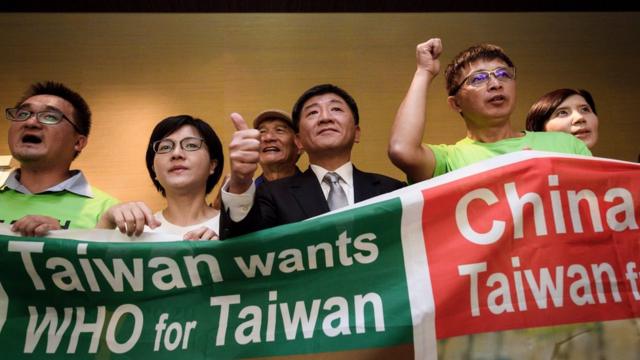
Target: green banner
x: 326, y: 285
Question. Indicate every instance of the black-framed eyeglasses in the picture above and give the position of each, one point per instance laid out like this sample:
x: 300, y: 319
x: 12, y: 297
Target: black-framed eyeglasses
x: 478, y: 78
x: 47, y: 117
x: 187, y: 144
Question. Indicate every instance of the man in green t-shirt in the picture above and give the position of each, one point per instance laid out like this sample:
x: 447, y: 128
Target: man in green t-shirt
x: 49, y: 128
x: 481, y: 83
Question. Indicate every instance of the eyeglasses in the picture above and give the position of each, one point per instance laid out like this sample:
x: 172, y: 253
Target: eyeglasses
x: 48, y: 117
x: 478, y: 78
x: 187, y: 144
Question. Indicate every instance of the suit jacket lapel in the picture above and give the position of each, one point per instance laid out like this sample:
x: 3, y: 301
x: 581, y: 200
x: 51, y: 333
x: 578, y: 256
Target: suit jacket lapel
x: 364, y: 186
x: 308, y: 193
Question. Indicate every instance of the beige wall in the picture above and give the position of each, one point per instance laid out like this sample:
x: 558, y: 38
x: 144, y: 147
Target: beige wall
x: 136, y: 69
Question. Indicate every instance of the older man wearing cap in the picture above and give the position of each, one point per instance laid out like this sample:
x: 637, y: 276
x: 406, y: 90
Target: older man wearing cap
x: 278, y: 150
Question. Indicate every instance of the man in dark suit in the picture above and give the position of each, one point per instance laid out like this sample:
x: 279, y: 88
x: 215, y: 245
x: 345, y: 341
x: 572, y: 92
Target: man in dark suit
x: 327, y: 120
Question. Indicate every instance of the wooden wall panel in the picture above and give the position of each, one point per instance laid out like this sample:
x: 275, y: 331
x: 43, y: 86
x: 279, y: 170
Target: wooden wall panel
x: 136, y: 69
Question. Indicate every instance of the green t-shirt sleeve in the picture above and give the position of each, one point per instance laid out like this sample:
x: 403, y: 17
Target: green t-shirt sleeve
x: 440, y: 154
x: 104, y: 201
x: 109, y: 203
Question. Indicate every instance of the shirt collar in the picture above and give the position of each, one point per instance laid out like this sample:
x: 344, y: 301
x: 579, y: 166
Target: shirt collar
x: 345, y: 171
x: 76, y: 184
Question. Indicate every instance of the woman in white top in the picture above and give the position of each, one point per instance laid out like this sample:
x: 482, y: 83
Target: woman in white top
x: 185, y: 160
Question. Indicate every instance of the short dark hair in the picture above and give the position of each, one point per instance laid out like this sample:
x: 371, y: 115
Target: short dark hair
x: 321, y: 90
x: 172, y: 124
x: 542, y: 110
x: 474, y: 53
x: 81, y: 111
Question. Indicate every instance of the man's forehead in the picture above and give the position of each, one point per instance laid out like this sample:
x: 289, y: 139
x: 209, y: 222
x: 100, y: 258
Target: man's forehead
x: 48, y: 102
x: 323, y: 98
x: 484, y: 64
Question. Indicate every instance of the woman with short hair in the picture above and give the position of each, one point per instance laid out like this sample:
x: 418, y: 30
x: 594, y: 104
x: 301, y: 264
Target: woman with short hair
x: 185, y: 160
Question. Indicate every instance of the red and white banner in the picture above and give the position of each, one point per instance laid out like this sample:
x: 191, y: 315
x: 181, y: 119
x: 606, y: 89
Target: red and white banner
x: 533, y: 239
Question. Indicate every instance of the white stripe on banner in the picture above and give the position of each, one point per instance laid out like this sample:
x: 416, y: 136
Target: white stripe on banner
x: 418, y: 278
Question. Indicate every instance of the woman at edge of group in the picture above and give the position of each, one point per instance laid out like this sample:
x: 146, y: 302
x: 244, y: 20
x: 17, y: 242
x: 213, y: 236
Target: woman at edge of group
x: 185, y: 161
x: 568, y: 110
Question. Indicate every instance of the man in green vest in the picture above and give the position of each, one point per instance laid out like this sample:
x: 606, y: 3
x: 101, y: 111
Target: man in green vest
x: 49, y: 128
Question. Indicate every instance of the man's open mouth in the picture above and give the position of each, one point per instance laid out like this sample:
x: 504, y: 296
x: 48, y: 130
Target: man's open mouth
x: 31, y: 139
x: 497, y: 98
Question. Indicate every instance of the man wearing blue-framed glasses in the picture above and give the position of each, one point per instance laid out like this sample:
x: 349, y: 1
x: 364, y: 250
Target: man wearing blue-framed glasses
x: 481, y: 87
x: 49, y: 128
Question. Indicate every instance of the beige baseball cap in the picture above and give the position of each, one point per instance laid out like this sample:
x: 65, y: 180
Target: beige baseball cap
x: 273, y: 114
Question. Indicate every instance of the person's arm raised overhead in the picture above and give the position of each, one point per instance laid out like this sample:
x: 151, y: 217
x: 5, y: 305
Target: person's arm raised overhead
x: 406, y: 150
